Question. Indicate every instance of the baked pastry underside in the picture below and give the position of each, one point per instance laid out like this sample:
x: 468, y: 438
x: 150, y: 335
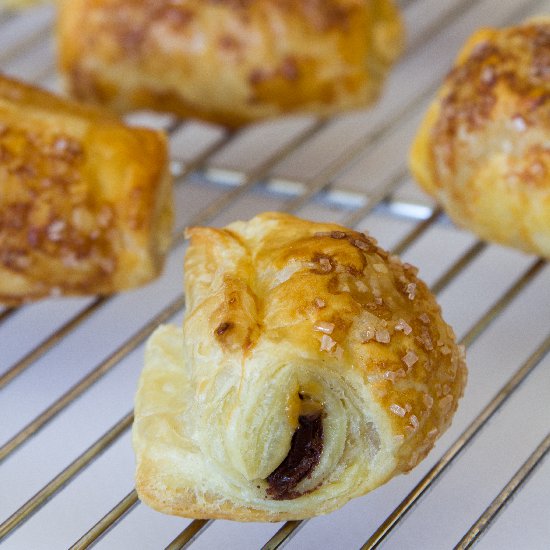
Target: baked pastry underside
x: 311, y: 368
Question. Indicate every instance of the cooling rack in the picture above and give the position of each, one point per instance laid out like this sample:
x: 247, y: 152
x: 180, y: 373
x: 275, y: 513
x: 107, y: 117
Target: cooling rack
x: 69, y: 367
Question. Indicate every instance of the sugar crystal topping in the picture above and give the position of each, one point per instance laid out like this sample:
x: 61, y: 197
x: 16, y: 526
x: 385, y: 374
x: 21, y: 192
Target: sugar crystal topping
x: 396, y: 409
x: 324, y: 326
x: 319, y: 302
x: 403, y: 326
x: 382, y: 336
x: 410, y: 358
x: 327, y: 343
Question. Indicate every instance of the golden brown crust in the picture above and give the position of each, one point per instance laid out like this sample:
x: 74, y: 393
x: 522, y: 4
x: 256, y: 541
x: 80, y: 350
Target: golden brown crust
x: 230, y: 62
x: 483, y: 149
x: 280, y: 307
x: 85, y: 202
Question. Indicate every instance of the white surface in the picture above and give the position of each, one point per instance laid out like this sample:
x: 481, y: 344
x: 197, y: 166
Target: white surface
x: 465, y: 489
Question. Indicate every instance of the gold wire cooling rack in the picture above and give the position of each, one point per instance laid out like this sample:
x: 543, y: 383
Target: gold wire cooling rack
x: 68, y: 368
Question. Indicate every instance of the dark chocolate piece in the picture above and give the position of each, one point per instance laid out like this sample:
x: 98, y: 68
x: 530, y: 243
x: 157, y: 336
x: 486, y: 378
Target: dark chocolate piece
x: 305, y: 451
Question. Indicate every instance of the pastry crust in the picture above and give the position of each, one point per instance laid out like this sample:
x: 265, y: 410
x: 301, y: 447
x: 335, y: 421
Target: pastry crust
x: 85, y: 201
x: 285, y: 317
x: 483, y: 149
x: 229, y: 62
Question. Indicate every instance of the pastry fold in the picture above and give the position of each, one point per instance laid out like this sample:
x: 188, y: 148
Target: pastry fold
x: 311, y: 368
x: 228, y: 62
x: 483, y: 149
x: 85, y: 201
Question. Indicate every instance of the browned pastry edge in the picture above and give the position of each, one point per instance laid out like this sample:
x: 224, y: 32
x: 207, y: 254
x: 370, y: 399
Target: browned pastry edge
x: 85, y: 201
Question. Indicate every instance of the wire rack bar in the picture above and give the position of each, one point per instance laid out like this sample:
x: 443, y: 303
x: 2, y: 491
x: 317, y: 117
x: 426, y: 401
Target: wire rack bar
x: 284, y: 535
x: 505, y: 496
x: 189, y: 534
x: 418, y: 231
x: 466, y: 259
x: 110, y: 520
x: 49, y: 342
x: 378, y: 196
x: 29, y: 41
x: 443, y: 21
x: 503, y: 302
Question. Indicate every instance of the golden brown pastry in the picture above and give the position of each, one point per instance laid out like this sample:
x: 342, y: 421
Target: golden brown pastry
x: 230, y: 62
x: 85, y: 202
x: 312, y: 367
x: 483, y: 150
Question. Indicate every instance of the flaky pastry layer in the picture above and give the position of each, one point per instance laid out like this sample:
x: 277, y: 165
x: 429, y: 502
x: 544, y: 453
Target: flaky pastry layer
x: 312, y: 367
x: 483, y: 149
x: 85, y: 201
x: 228, y: 62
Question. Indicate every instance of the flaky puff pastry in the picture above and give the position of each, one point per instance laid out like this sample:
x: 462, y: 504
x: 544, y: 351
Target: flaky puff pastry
x: 483, y: 149
x: 85, y: 201
x: 225, y: 61
x: 312, y: 367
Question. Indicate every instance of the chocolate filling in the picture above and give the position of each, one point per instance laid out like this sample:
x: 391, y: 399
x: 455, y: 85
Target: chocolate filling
x: 305, y: 451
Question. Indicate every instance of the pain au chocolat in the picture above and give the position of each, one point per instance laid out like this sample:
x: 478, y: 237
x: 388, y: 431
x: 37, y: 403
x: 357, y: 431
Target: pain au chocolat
x: 85, y: 201
x: 228, y: 62
x: 311, y: 368
x: 483, y: 149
